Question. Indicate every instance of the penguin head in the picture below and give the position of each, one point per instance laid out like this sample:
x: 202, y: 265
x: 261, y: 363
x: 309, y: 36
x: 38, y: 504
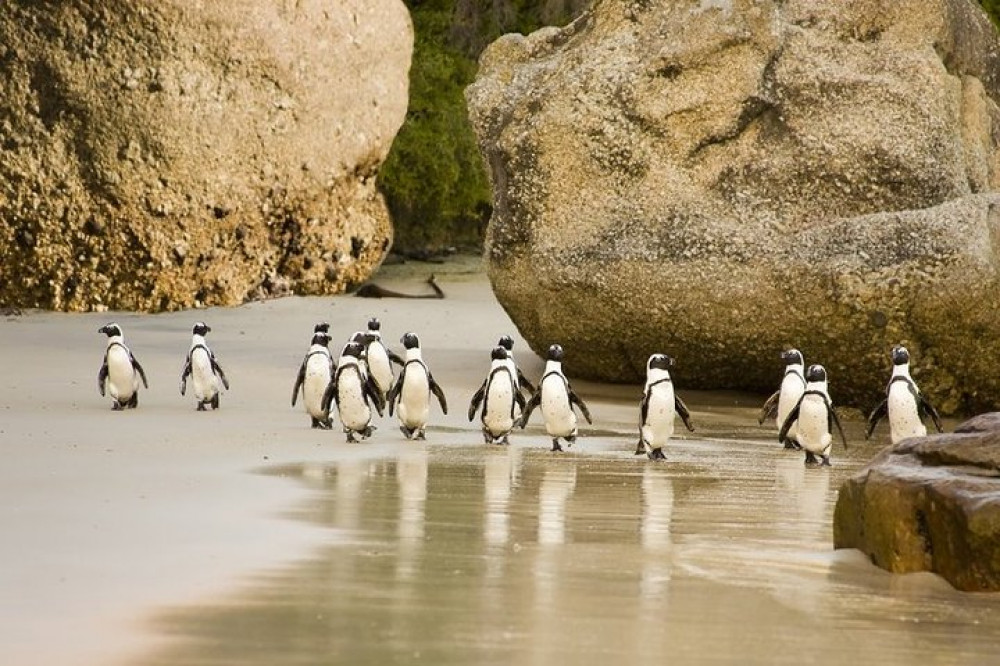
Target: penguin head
x: 498, y: 354
x: 374, y: 324
x: 321, y: 338
x: 200, y: 328
x: 353, y: 349
x: 506, y: 342
x: 659, y: 362
x: 900, y: 356
x: 792, y: 357
x: 110, y: 330
x: 555, y: 353
x: 322, y: 327
x: 816, y: 373
x: 410, y: 340
x: 360, y: 337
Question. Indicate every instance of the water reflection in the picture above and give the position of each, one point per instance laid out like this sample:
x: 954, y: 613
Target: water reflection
x: 455, y: 555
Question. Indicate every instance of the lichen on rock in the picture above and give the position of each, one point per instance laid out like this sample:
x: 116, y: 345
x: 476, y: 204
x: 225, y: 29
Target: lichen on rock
x: 160, y: 155
x: 722, y: 180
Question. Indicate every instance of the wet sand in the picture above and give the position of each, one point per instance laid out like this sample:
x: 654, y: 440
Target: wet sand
x: 166, y: 536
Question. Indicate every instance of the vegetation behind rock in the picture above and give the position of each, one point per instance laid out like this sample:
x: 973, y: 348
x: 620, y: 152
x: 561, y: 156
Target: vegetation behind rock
x: 434, y: 180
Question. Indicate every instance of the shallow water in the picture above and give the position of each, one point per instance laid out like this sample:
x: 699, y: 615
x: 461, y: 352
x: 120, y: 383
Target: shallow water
x: 472, y: 554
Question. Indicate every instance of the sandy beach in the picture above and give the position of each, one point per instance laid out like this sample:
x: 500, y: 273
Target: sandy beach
x: 119, y: 527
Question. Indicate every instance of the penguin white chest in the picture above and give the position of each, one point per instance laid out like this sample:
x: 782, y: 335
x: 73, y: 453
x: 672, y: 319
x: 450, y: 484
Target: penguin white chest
x: 123, y: 380
x: 792, y: 388
x: 414, y: 397
x: 379, y: 366
x: 498, y: 414
x: 353, y: 408
x: 206, y: 384
x: 560, y: 421
x: 659, y: 425
x: 904, y: 417
x: 316, y: 381
x: 814, y: 425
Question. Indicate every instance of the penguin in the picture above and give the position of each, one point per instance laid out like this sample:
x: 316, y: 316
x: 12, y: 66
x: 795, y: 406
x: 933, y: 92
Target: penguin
x: 204, y: 370
x: 499, y: 397
x: 781, y: 401
x: 557, y: 399
x: 352, y: 389
x: 523, y: 384
x: 412, y: 391
x: 120, y: 372
x: 904, y: 403
x: 815, y: 417
x: 314, y: 376
x: 659, y: 403
x: 379, y: 358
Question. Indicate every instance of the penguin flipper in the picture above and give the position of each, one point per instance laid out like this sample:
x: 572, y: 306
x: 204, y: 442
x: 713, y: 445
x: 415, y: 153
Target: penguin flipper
x: 102, y: 376
x: 877, y: 414
x: 298, y: 382
x: 683, y: 412
x: 185, y: 373
x: 394, y: 357
x: 373, y: 394
x: 643, y: 412
x: 792, y: 417
x: 138, y: 368
x: 641, y: 447
x: 832, y: 420
x: 477, y: 398
x: 523, y: 381
x: 218, y: 370
x: 770, y: 408
x: 928, y: 409
x: 438, y: 392
x: 575, y: 399
x: 394, y: 391
x: 330, y: 395
x: 536, y: 399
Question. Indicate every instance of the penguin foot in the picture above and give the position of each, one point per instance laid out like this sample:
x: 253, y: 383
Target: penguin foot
x: 407, y: 433
x: 315, y: 423
x: 117, y: 406
x: 350, y: 436
x: 421, y: 435
x: 811, y: 459
x: 215, y: 401
x: 201, y: 407
x: 367, y: 432
x: 825, y: 462
x: 555, y: 445
x: 657, y: 454
x: 791, y: 445
x: 326, y: 424
x: 487, y: 437
x: 503, y: 440
x: 640, y: 448
x: 134, y: 402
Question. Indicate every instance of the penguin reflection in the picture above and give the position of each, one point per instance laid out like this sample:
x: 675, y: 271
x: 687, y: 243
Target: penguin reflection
x: 657, y: 512
x: 411, y: 475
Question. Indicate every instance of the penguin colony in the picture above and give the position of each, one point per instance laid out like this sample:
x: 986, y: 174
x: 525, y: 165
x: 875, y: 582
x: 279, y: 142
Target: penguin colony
x: 360, y: 383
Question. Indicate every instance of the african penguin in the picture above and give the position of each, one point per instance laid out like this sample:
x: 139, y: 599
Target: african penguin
x: 523, y: 384
x: 120, y: 372
x: 315, y: 375
x: 499, y: 398
x: 379, y: 358
x: 557, y: 399
x: 782, y: 400
x: 815, y: 418
x: 204, y: 370
x: 412, y: 391
x: 352, y: 389
x: 659, y: 404
x: 905, y: 404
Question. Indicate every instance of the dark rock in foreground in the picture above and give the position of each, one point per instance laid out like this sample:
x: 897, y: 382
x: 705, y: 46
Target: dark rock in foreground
x: 930, y: 504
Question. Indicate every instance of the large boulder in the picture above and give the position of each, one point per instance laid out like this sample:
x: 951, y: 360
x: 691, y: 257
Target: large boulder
x: 159, y: 154
x: 930, y: 504
x: 720, y: 180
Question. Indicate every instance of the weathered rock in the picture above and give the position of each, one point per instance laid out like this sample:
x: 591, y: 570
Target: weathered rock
x: 720, y: 180
x: 930, y: 504
x: 162, y: 154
